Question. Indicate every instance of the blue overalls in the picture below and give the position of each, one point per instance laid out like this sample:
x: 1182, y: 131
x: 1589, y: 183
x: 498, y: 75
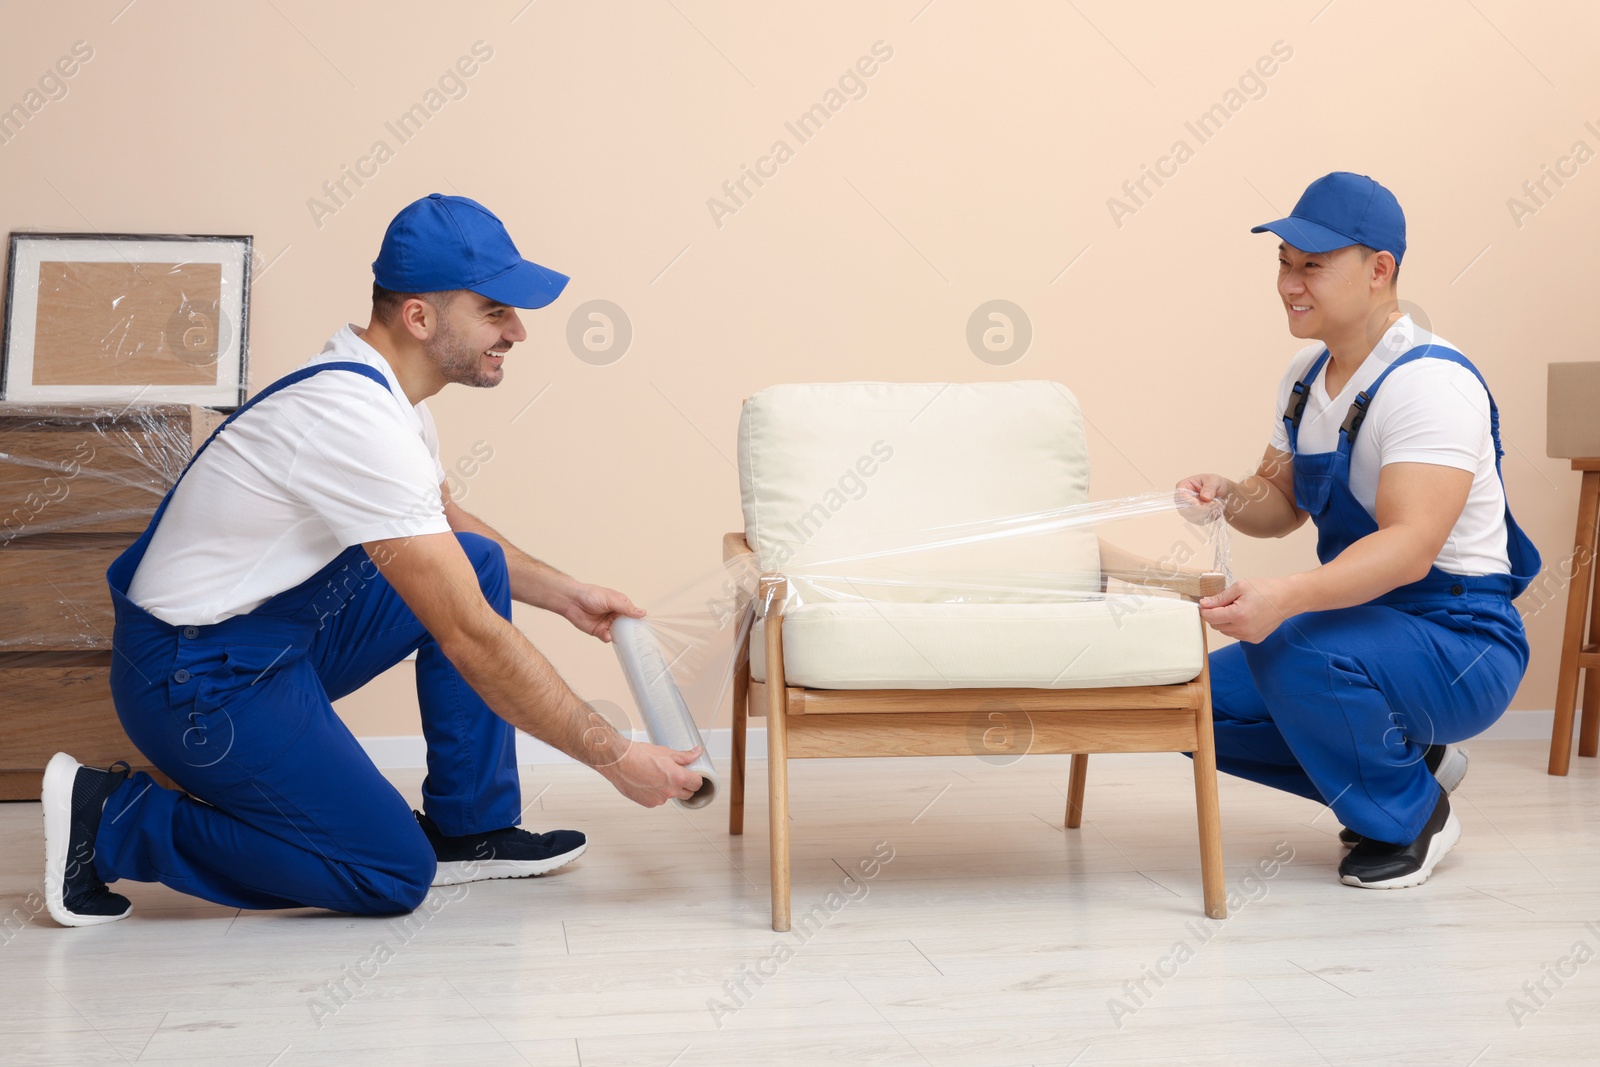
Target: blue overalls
x: 283, y: 808
x: 1339, y: 706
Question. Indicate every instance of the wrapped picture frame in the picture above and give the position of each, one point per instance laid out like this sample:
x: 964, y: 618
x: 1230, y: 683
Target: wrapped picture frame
x: 140, y: 318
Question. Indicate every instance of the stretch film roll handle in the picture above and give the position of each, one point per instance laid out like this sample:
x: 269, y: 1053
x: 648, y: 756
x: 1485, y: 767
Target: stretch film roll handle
x: 666, y: 716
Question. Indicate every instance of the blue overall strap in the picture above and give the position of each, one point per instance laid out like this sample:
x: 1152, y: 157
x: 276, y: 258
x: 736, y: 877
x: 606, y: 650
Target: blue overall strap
x: 292, y: 378
x: 121, y: 571
x: 1363, y: 401
x: 363, y: 369
x: 1521, y: 552
x: 1297, y: 401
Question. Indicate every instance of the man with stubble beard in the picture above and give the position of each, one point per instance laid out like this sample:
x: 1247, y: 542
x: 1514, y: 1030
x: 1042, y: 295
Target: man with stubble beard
x: 310, y: 545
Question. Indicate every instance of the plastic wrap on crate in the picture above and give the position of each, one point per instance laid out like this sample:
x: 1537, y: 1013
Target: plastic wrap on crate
x: 78, y: 482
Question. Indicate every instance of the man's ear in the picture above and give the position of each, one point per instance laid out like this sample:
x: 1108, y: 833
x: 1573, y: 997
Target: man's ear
x: 1382, y: 267
x: 418, y: 318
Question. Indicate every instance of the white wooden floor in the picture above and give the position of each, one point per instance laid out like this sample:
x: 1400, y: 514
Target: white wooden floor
x: 993, y: 937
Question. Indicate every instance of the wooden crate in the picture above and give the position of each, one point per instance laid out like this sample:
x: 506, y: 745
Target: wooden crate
x: 56, y: 596
x: 54, y: 702
x: 78, y: 483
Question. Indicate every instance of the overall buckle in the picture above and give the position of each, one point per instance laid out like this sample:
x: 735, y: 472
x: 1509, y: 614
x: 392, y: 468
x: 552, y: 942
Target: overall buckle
x: 1297, y: 404
x: 1356, y: 415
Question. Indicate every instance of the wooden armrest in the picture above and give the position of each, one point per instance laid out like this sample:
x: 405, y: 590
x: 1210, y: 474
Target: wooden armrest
x: 734, y: 545
x: 772, y: 588
x: 1117, y: 562
x: 771, y: 594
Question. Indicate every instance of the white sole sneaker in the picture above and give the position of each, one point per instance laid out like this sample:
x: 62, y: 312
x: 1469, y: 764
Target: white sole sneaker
x: 1452, y: 768
x: 60, y: 775
x: 1438, y: 848
x: 484, y: 870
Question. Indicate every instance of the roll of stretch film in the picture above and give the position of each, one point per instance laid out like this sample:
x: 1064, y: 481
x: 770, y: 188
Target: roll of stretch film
x: 666, y: 716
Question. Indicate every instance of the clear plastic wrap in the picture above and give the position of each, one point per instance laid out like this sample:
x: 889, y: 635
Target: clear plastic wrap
x: 1077, y: 553
x: 1096, y: 594
x: 78, y: 483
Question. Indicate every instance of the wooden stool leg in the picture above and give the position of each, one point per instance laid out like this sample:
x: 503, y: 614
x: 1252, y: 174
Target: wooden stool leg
x: 1589, y: 725
x: 774, y: 592
x: 741, y: 722
x: 1079, y: 776
x: 1578, y: 592
x: 1205, y: 795
x: 1589, y: 729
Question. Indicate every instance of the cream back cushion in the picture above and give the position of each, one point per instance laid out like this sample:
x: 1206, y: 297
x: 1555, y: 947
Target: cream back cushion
x: 839, y: 480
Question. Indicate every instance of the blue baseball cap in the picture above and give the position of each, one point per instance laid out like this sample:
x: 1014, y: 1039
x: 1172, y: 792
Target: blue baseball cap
x: 1343, y: 209
x: 450, y: 242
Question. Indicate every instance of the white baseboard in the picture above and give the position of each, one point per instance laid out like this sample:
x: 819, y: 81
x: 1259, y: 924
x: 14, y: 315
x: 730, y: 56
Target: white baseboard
x: 1522, y: 726
x: 410, y: 751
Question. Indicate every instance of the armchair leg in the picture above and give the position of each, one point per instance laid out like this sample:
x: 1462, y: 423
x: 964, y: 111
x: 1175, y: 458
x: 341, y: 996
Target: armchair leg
x: 1079, y: 776
x: 1205, y: 795
x: 778, y: 808
x: 774, y: 592
x: 741, y: 720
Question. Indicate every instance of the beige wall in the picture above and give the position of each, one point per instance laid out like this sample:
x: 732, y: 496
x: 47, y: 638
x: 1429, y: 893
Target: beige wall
x: 977, y: 165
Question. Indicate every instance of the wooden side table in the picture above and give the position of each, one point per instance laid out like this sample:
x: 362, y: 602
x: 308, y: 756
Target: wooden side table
x: 1580, y: 652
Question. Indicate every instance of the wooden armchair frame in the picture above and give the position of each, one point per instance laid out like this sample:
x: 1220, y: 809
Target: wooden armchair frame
x: 818, y: 723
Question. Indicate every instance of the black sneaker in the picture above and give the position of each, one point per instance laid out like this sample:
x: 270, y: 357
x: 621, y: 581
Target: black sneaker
x: 1380, y: 865
x: 1447, y: 764
x: 509, y: 853
x: 73, y: 798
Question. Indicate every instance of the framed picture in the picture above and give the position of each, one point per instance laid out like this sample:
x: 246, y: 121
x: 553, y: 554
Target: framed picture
x: 153, y: 318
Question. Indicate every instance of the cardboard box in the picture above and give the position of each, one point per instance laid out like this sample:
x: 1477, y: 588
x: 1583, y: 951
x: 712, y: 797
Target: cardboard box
x: 1573, y: 431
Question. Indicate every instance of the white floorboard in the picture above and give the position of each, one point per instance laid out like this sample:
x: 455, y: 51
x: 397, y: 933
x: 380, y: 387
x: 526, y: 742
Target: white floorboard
x: 994, y: 938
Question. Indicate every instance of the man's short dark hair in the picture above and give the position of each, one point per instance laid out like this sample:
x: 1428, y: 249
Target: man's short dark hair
x: 1366, y: 254
x: 386, y: 302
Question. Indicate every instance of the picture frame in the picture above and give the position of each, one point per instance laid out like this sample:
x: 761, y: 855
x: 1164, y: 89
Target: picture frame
x: 137, y: 318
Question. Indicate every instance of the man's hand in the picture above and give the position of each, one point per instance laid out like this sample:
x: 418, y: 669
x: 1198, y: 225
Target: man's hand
x: 1249, y: 610
x: 1203, y: 498
x: 1261, y: 505
x: 1208, y: 487
x: 651, y: 775
x: 592, y: 607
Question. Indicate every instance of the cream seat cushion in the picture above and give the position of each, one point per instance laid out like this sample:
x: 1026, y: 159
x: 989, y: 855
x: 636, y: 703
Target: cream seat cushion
x: 1142, y: 640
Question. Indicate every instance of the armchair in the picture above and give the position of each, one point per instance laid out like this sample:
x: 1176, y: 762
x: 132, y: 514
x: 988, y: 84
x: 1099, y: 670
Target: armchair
x: 889, y: 672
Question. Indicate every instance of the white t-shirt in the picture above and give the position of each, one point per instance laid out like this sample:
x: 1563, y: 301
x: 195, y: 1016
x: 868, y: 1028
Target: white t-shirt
x: 331, y: 461
x: 1428, y: 411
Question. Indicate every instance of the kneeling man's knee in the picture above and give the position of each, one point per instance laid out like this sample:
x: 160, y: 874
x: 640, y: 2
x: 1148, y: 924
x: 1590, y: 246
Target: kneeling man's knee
x: 402, y: 880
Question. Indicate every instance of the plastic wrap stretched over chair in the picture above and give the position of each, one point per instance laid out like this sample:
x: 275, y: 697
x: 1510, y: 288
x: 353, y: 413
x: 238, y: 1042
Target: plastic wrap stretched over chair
x: 1096, y: 594
x: 78, y: 483
x: 1099, y: 594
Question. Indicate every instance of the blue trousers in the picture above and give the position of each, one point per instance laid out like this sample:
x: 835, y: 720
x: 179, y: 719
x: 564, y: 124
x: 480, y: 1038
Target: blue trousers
x: 282, y: 808
x: 1340, y: 706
